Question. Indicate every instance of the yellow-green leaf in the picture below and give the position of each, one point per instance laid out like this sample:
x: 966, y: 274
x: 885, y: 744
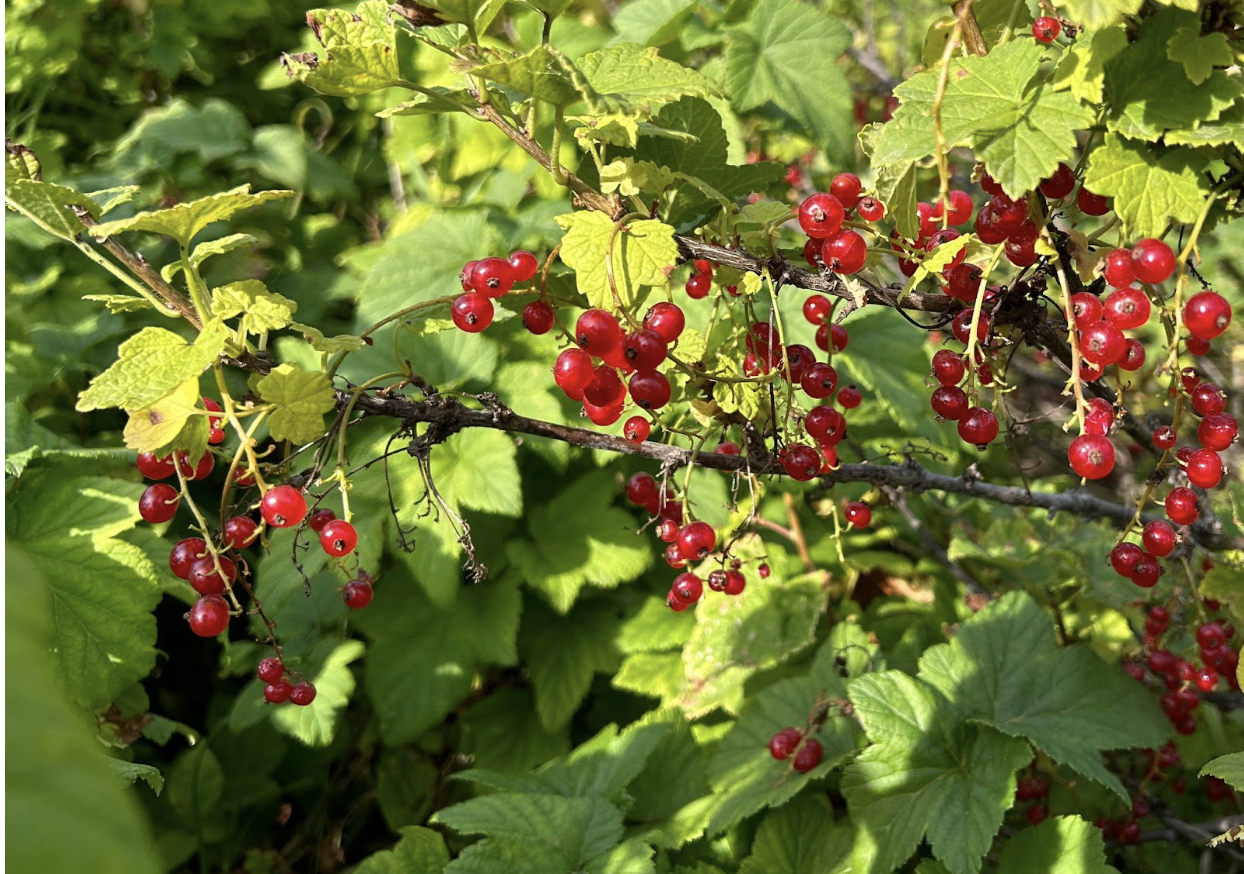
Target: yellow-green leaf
x: 321, y: 343
x: 157, y: 424
x: 1083, y: 68
x: 183, y: 221
x: 51, y: 206
x: 1149, y: 188
x: 643, y: 254
x: 543, y: 73
x: 301, y: 400
x: 152, y: 363
x: 261, y: 310
x: 1199, y: 54
x: 358, y: 56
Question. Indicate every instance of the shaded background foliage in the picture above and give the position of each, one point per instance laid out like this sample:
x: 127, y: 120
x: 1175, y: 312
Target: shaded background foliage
x: 567, y: 640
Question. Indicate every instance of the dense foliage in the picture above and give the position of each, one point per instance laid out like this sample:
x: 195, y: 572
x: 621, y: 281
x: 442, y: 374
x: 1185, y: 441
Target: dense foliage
x: 658, y: 436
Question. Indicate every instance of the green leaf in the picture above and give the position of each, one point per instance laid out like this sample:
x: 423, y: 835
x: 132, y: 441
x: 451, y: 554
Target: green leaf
x: 1229, y: 767
x: 1199, y: 54
x: 419, y: 851
x: 563, y: 653
x: 60, y: 781
x: 1004, y: 669
x: 896, y: 188
x: 183, y: 221
x: 423, y: 658
x: 1083, y: 68
x: 927, y: 774
x: 110, y: 198
x: 477, y: 13
x: 301, y: 400
x: 1022, y: 132
x: 321, y: 343
x: 543, y: 73
x: 477, y: 469
x: 655, y: 628
x: 230, y: 243
x: 315, y: 724
x: 643, y: 254
x: 130, y: 772
x: 784, y: 46
x: 503, y: 733
x: 49, y: 205
x: 563, y: 833
x: 1150, y: 187
x: 103, y: 589
x: 158, y: 424
x: 579, y: 539
x: 261, y: 310
x: 359, y: 54
x: 21, y: 163
x: 433, y: 101
x: 1061, y: 845
x: 701, y: 154
x: 798, y: 839
x: 651, y: 22
x: 25, y: 440
x: 1097, y: 14
x: 1150, y: 94
x: 152, y: 363
x: 657, y: 675
x: 630, y: 78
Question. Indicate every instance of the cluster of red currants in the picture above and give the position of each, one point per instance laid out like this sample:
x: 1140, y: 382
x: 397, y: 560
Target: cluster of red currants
x: 788, y: 742
x: 1033, y: 788
x: 1183, y: 679
x: 488, y: 279
x: 278, y: 689
x: 821, y: 215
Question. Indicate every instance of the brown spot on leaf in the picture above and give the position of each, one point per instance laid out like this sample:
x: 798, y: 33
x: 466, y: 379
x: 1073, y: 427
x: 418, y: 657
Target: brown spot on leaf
x: 155, y: 417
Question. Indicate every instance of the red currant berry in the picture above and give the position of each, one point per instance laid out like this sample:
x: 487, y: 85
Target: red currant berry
x: 278, y: 692
x: 962, y: 282
x: 606, y: 387
x: 1217, y: 431
x: 597, y: 332
x: 202, y: 469
x: 339, y: 538
x: 962, y: 324
x: 1123, y: 558
x: 816, y: 309
x: 1197, y: 346
x: 1204, y: 469
x: 209, y: 616
x: 155, y: 468
x: 1060, y: 184
x: 812, y: 251
x: 949, y: 402
x: 825, y: 425
x: 524, y: 265
x: 1207, y: 314
x: 870, y: 209
x: 819, y: 380
x: 1046, y: 29
x: 696, y: 541
x: 1152, y: 260
x: 764, y: 571
x: 1086, y: 309
x: 1159, y: 538
x: 573, y: 371
x: 472, y: 312
x: 320, y: 518
x: 859, y: 515
x: 846, y: 188
x: 465, y: 276
x: 687, y: 588
x: 283, y: 507
x: 978, y: 427
x: 1118, y: 269
x: 302, y: 694
x: 735, y: 582
x: 1100, y: 417
x: 845, y: 252
x: 1091, y: 204
x: 1036, y: 814
x: 838, y: 338
x: 1208, y: 399
x: 159, y: 502
x: 184, y: 555
x: 206, y: 580
x: 988, y: 225
x: 1133, y: 355
x: 800, y: 462
x: 849, y: 397
x: 645, y: 349
x: 727, y: 448
x: 948, y: 367
x: 1181, y: 506
x: 1206, y: 679
x: 1102, y: 344
x: 492, y: 277
x: 650, y: 389
x: 603, y: 416
x: 667, y: 320
x: 1091, y: 456
x: 808, y: 756
x: 636, y: 429
x: 820, y: 215
x: 538, y: 317
x: 271, y: 670
x: 357, y: 594
x: 699, y: 285
x: 783, y: 744
x: 1210, y: 636
x: 1127, y: 308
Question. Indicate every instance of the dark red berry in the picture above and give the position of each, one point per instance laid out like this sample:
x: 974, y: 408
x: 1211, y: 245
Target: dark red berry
x: 209, y: 616
x: 820, y: 215
x: 808, y: 756
x: 1091, y: 456
x: 1181, y: 506
x: 949, y: 402
x: 948, y: 367
x: 320, y: 518
x: 859, y: 515
x: 849, y: 397
x: 1133, y: 355
x: 524, y: 265
x: 278, y: 692
x: 845, y: 252
x: 783, y: 744
x: 650, y: 389
x: 606, y: 387
x: 1208, y: 399
x: 357, y: 594
x: 696, y: 541
x: 1152, y: 260
x: 271, y: 670
x: 159, y: 502
x: 687, y: 588
x: 538, y: 317
x: 978, y: 427
x: 838, y: 337
x: 1146, y: 571
x: 1210, y: 636
x: 1092, y: 204
x: 1060, y: 184
x: 185, y: 554
x: 825, y: 424
x: 155, y: 468
x: 283, y: 506
x: 302, y: 694
x: 735, y: 582
x: 1123, y: 558
x: 201, y: 469
x: 1159, y: 539
x: 800, y: 462
x: 207, y: 580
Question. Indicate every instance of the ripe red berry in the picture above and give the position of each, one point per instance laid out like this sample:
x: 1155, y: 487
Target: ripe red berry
x: 320, y: 518
x: 239, y: 532
x: 155, y: 468
x: 201, y: 469
x: 464, y: 277
x: 1204, y: 468
x: 1046, y: 28
x: 816, y: 309
x: 849, y: 397
x: 603, y: 416
x: 283, y: 506
x: 159, y: 502
x: 472, y: 312
x: 845, y: 252
x: 597, y: 332
x: 978, y: 427
x: 538, y: 317
x: 1159, y: 539
x: 870, y: 209
x: 1060, y: 184
x: 696, y: 541
x: 278, y: 692
x: 812, y: 251
x: 492, y: 277
x: 1118, y: 269
x: 800, y: 462
x: 699, y: 285
x: 1181, y: 506
x: 1146, y: 571
x: 1086, y: 309
x: 185, y: 554
x: 819, y: 380
x: 799, y: 357
x: 783, y: 744
x: 1100, y: 417
x: 948, y: 367
x: 1210, y: 635
x: 1217, y: 431
x: 1123, y: 558
x: 858, y: 514
x: 645, y: 349
x: 524, y: 265
x: 357, y: 594
x: 1127, y: 308
x: 1091, y: 456
x: 1102, y: 344
x: 735, y: 582
x: 820, y: 215
x: 949, y: 402
x: 666, y: 319
x: 962, y: 282
x: 1091, y: 204
x: 1133, y: 355
x: 825, y: 424
x: 1152, y: 260
x: 302, y: 694
x: 1206, y: 679
x: 339, y: 538
x: 1207, y: 314
x: 606, y: 387
x: 650, y: 389
x: 808, y: 756
x: 1164, y: 437
x: 573, y: 371
x: 687, y: 588
x: 962, y: 324
x: 838, y: 337
x: 209, y: 616
x: 846, y: 188
x: 271, y: 670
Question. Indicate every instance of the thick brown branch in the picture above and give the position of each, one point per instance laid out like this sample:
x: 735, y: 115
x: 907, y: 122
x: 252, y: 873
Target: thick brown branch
x: 446, y: 416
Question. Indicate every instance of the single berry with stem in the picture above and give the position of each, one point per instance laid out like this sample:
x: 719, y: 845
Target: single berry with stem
x: 339, y: 538
x: 271, y: 670
x: 808, y: 756
x: 1046, y: 29
x: 472, y: 312
x: 159, y: 503
x: 240, y: 531
x: 155, y: 468
x: 207, y: 579
x: 320, y: 518
x: 185, y: 554
x: 209, y: 616
x: 283, y: 506
x: 278, y: 692
x: 1091, y: 456
x: 696, y: 541
x: 538, y: 317
x: 357, y: 594
x: 858, y: 514
x: 783, y: 744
